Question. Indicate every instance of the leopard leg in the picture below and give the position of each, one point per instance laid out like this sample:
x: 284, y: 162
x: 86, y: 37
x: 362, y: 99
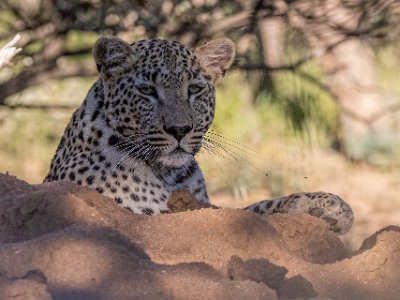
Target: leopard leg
x: 329, y: 207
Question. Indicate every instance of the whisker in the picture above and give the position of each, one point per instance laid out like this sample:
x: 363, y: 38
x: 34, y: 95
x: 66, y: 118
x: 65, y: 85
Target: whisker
x: 212, y: 148
x: 212, y: 151
x: 233, y: 143
x: 237, y: 157
x: 128, y: 153
x: 122, y: 143
x: 148, y: 152
x: 139, y: 155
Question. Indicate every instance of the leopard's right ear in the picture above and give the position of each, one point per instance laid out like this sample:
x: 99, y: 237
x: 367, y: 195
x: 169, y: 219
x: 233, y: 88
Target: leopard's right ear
x: 113, y: 57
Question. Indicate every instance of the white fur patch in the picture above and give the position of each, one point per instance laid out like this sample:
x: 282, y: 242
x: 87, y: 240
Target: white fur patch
x: 176, y: 159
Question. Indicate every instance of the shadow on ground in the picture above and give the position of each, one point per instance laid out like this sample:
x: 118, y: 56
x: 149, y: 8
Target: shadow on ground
x: 62, y: 241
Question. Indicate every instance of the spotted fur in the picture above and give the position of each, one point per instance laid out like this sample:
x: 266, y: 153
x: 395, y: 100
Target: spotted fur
x: 135, y: 136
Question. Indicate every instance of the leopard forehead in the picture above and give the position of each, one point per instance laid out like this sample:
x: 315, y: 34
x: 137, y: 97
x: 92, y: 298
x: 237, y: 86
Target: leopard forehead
x: 164, y: 56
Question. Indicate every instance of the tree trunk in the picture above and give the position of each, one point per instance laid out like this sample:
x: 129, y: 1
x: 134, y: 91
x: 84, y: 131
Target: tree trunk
x: 353, y: 79
x: 272, y: 34
x: 367, y: 124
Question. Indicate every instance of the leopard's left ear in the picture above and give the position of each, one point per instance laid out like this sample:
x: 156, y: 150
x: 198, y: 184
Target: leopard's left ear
x: 216, y: 56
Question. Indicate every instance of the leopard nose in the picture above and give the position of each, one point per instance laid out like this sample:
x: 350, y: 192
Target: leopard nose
x: 178, y: 131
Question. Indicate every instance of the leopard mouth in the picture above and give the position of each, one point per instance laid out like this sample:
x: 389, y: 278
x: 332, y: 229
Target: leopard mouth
x: 178, y: 150
x: 179, y: 153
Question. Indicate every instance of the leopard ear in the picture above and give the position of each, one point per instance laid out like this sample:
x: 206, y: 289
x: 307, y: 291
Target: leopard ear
x: 113, y: 57
x: 215, y: 57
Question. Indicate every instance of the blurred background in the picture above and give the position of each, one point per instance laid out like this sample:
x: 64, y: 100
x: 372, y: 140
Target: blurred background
x: 311, y: 103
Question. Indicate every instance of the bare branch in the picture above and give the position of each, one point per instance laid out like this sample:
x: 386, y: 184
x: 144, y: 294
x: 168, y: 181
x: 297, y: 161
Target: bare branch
x: 295, y: 65
x: 41, y: 107
x: 238, y: 20
x: 9, y: 51
x: 40, y: 74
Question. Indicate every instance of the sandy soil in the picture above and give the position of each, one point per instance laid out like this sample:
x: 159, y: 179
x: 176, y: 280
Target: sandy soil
x: 62, y: 241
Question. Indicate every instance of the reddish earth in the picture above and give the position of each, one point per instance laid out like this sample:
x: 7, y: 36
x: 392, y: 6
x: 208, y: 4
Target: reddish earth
x: 62, y: 241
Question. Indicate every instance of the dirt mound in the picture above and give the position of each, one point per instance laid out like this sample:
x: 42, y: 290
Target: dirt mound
x: 62, y: 241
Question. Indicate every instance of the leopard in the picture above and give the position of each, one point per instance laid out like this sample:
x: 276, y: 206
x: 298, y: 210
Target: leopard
x: 137, y: 133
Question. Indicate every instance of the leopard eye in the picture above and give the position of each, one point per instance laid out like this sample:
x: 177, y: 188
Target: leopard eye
x: 147, y: 90
x: 193, y: 89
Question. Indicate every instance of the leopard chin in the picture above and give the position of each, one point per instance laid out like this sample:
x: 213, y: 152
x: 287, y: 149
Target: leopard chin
x: 176, y: 159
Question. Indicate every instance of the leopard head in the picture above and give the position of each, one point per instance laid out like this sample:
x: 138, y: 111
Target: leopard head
x: 159, y: 95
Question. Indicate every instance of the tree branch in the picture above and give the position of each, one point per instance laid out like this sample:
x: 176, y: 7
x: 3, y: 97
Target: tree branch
x: 41, y: 107
x: 41, y: 74
x: 9, y: 51
x: 292, y: 66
